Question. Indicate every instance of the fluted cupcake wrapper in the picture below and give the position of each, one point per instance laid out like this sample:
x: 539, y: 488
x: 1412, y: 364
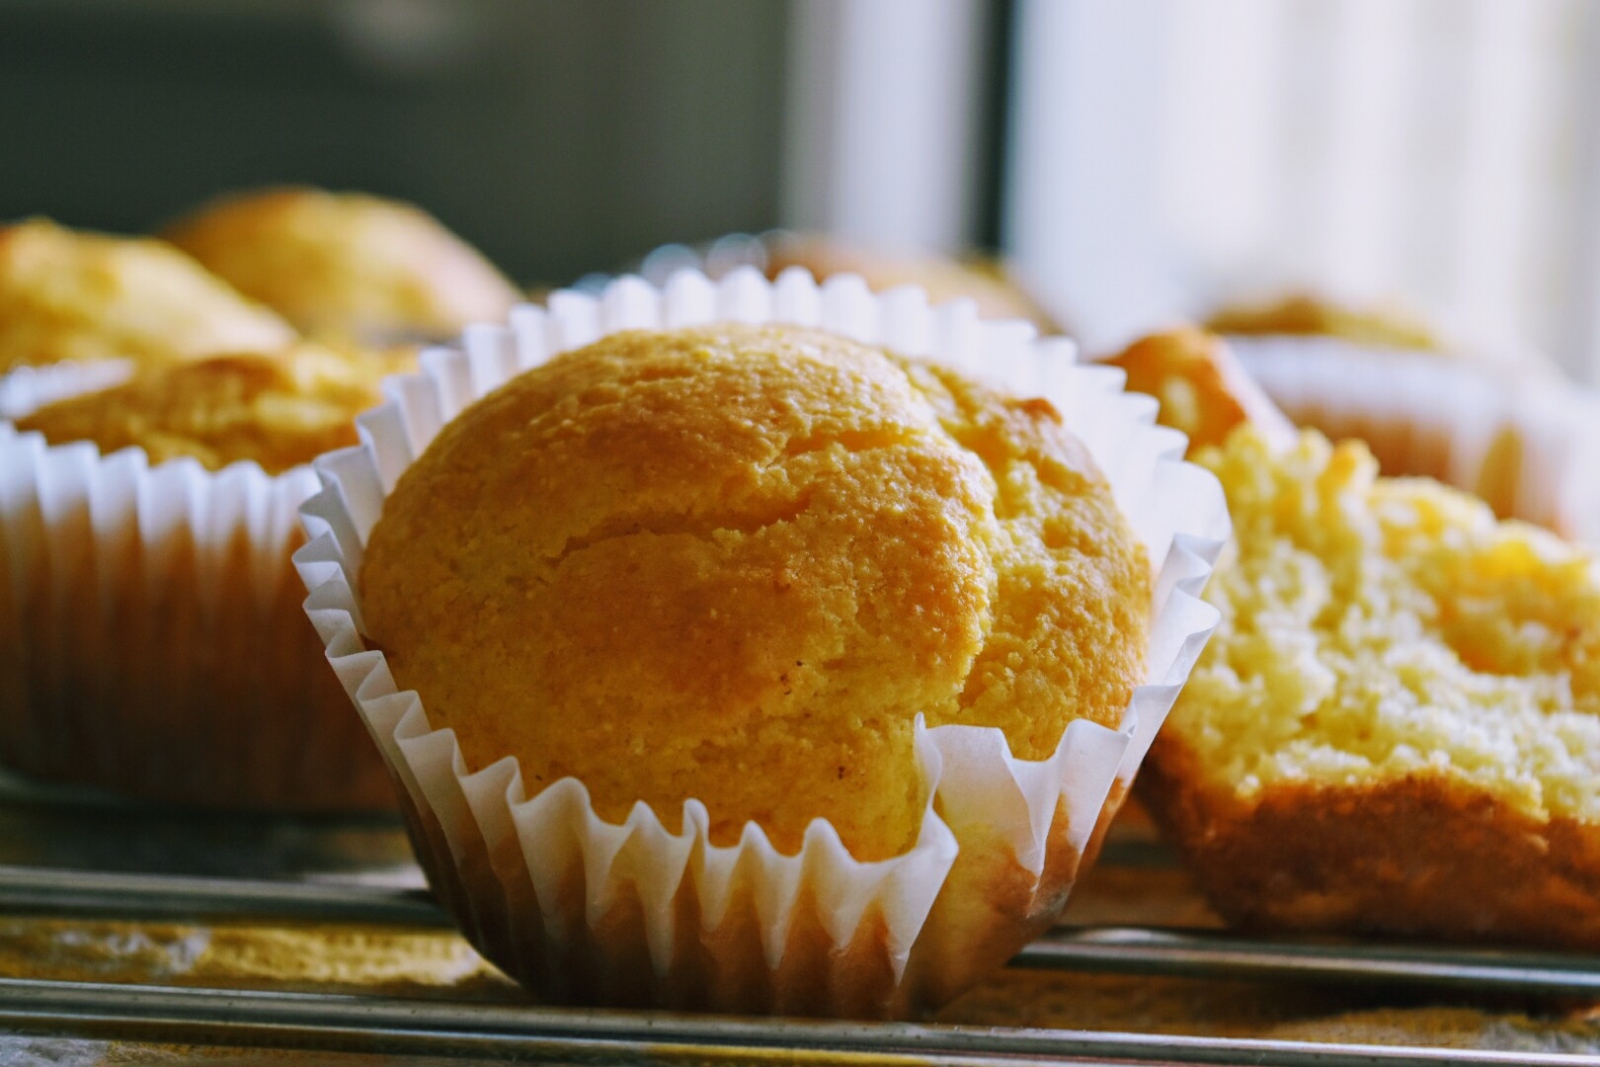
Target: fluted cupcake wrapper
x: 151, y: 636
x: 26, y: 389
x: 585, y: 910
x: 1528, y: 444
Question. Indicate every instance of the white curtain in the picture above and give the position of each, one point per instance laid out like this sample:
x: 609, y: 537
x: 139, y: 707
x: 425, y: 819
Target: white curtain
x: 1168, y: 154
x: 882, y: 136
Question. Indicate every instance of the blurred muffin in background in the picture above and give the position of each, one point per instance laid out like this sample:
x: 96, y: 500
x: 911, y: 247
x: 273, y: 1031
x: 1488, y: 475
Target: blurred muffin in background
x: 1498, y: 420
x: 149, y: 609
x: 984, y: 281
x: 1304, y: 323
x: 74, y: 297
x: 1301, y: 314
x: 346, y: 265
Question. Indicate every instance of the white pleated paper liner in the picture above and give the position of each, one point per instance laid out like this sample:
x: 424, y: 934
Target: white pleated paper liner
x: 583, y: 910
x: 26, y: 389
x: 152, y: 640
x: 1527, y: 443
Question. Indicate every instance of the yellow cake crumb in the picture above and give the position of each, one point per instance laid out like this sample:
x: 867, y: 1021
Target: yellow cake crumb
x: 1374, y: 629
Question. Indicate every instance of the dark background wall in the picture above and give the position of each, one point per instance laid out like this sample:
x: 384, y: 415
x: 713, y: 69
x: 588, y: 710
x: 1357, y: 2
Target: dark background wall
x: 560, y: 136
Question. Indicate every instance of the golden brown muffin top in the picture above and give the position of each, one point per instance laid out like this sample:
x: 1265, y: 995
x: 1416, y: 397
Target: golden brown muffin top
x: 1203, y: 390
x: 734, y: 563
x: 985, y: 282
x: 280, y: 409
x: 346, y: 265
x: 1375, y: 629
x: 66, y: 295
x: 1300, y: 314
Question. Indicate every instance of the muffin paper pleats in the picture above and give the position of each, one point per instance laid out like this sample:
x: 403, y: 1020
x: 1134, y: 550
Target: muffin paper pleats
x: 584, y: 910
x: 1527, y: 445
x: 152, y: 638
x: 26, y: 389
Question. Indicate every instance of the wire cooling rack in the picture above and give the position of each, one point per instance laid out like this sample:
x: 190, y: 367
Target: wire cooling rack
x: 66, y: 862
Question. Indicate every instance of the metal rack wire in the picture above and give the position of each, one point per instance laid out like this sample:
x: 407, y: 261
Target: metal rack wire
x: 75, y: 865
x: 411, y: 1026
x: 1119, y: 950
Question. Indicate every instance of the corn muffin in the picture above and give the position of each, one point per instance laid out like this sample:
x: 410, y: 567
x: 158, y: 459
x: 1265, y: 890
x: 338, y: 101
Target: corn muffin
x: 735, y: 563
x: 346, y: 265
x: 279, y: 409
x: 1396, y: 727
x: 1202, y: 389
x: 148, y: 601
x: 792, y: 592
x: 67, y: 296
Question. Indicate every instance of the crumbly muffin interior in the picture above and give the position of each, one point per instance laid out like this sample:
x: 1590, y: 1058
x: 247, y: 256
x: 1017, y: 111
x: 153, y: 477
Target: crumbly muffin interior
x: 734, y: 563
x: 1378, y: 628
x: 279, y: 409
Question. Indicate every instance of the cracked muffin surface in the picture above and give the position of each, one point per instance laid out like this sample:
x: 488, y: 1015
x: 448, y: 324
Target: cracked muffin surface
x: 734, y: 564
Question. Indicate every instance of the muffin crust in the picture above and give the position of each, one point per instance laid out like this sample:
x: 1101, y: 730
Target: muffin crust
x: 734, y: 563
x: 1203, y: 390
